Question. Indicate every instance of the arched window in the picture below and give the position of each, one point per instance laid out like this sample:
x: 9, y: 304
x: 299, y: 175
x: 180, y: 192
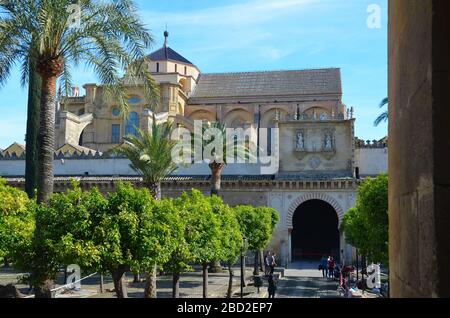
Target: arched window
x: 132, y: 124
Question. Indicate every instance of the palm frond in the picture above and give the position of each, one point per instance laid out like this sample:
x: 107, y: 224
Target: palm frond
x: 150, y: 152
x: 110, y: 39
x: 384, y: 117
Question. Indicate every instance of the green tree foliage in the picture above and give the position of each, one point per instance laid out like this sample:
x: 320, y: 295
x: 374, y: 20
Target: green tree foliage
x: 367, y: 225
x: 202, y: 231
x: 231, y: 239
x: 16, y: 220
x: 126, y: 231
x: 141, y: 232
x: 257, y: 225
x: 180, y: 256
x: 150, y: 154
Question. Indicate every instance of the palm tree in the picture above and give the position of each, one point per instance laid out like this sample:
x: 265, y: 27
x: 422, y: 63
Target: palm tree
x: 109, y: 37
x: 218, y: 160
x: 385, y: 115
x: 150, y: 154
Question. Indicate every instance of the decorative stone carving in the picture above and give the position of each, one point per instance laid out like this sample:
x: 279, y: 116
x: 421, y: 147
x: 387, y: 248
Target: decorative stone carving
x: 328, y: 142
x: 314, y: 162
x: 300, y: 141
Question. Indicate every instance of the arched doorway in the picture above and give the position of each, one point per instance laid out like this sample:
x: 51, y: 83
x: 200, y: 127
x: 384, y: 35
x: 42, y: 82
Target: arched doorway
x: 315, y: 231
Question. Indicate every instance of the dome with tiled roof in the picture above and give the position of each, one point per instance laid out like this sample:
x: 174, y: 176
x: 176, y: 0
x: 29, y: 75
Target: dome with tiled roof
x: 167, y: 54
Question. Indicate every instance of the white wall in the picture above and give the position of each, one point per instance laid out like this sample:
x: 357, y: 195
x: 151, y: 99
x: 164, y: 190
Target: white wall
x: 371, y: 161
x: 115, y: 167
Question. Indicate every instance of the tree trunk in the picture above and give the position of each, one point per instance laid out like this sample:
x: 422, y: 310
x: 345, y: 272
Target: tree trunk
x: 230, y: 282
x: 205, y: 280
x: 49, y: 70
x: 256, y: 266
x: 45, y: 289
x: 216, y: 176
x: 261, y: 261
x: 150, y: 285
x: 119, y: 283
x: 216, y: 179
x: 31, y: 138
x: 176, y: 285
x: 136, y: 278
x: 46, y: 139
x: 154, y: 188
x: 243, y: 266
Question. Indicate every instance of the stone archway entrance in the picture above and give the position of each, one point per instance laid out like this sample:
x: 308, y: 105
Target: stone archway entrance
x: 315, y: 231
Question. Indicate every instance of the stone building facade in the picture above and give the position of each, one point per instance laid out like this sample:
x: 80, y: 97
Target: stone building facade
x: 319, y: 158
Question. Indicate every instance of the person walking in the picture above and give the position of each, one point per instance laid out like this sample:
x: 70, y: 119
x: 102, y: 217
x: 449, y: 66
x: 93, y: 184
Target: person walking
x: 331, y: 266
x: 270, y: 261
x: 324, y: 266
x: 272, y: 287
x: 267, y: 264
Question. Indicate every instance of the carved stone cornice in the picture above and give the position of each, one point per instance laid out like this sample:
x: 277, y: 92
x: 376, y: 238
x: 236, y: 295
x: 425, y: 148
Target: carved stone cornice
x: 173, y: 184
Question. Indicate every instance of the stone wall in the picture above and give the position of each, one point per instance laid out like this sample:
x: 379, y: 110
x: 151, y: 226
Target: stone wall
x: 371, y: 161
x: 315, y: 158
x: 419, y: 183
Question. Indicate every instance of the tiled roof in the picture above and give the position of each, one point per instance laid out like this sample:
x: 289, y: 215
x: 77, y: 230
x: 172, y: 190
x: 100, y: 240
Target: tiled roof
x: 166, y: 53
x: 300, y: 82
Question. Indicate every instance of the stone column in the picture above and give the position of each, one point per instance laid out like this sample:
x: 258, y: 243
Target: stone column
x: 419, y: 142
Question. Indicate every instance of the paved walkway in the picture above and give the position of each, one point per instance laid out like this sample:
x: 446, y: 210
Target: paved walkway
x: 190, y: 285
x: 304, y: 280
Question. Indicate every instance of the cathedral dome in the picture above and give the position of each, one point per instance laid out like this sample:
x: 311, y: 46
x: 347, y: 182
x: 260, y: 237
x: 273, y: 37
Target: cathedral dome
x: 167, y: 54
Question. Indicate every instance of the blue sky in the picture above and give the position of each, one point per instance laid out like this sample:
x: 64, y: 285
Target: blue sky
x: 257, y: 35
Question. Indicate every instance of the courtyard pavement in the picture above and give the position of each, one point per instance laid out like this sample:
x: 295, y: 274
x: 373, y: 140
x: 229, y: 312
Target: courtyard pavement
x: 304, y: 280
x: 300, y: 280
x: 190, y: 285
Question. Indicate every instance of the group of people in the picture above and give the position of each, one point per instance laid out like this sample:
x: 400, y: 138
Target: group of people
x: 327, y: 266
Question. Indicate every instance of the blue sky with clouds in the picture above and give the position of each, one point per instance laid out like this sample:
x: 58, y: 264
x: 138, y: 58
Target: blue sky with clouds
x: 258, y: 35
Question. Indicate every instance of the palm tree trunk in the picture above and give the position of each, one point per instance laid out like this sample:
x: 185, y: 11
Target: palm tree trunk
x: 205, y: 280
x: 34, y: 103
x: 154, y: 188
x: 49, y: 71
x: 176, y: 285
x: 216, y: 179
x: 150, y: 286
x: 216, y: 176
x: 230, y: 281
x: 46, y: 139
